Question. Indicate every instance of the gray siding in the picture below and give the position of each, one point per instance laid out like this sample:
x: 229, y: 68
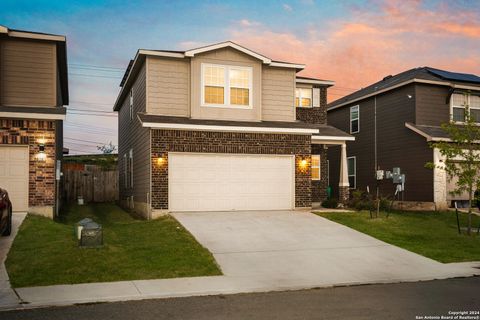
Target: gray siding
x: 397, y: 146
x: 432, y: 107
x: 132, y: 135
x: 168, y: 86
x: 278, y: 94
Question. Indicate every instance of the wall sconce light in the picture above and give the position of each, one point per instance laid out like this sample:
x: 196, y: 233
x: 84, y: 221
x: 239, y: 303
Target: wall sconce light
x: 303, y: 163
x: 41, y: 155
x: 160, y: 160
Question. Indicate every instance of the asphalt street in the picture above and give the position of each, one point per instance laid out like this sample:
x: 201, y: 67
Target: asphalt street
x: 417, y: 300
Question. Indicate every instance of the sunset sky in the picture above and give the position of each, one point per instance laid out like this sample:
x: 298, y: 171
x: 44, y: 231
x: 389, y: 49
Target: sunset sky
x: 353, y: 43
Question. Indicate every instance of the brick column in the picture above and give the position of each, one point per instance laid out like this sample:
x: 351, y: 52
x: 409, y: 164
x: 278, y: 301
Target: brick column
x: 343, y: 195
x: 343, y: 184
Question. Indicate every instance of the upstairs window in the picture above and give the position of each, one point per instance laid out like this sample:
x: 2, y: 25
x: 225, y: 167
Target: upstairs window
x: 354, y: 119
x: 125, y: 170
x: 315, y: 167
x: 459, y: 103
x: 130, y: 168
x: 303, y: 97
x: 352, y: 172
x: 131, y: 104
x: 226, y: 86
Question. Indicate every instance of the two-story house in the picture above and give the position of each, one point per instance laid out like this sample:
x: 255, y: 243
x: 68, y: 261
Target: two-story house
x: 393, y: 121
x: 218, y: 128
x: 33, y: 92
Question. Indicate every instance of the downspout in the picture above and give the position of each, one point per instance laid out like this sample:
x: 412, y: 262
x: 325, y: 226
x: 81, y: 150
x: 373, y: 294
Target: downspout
x: 375, y: 130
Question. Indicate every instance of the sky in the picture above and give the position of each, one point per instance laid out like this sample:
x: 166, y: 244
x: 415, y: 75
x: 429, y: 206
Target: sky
x: 354, y: 43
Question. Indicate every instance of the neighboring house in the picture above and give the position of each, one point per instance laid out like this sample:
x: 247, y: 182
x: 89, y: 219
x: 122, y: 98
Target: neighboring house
x: 393, y: 122
x: 33, y: 91
x: 216, y: 129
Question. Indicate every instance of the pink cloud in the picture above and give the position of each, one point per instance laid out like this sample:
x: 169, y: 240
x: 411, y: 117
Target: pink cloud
x: 365, y: 48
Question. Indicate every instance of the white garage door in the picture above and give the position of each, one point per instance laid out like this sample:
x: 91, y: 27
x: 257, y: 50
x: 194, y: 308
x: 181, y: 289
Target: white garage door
x: 222, y: 182
x: 14, y: 175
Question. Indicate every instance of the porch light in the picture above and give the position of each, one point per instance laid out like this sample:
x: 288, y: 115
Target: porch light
x: 41, y: 156
x: 160, y: 161
x: 303, y: 163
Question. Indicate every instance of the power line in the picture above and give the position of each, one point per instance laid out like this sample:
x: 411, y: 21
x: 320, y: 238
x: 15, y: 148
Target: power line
x: 82, y: 113
x: 90, y: 110
x: 96, y: 69
x: 83, y: 140
x: 91, y: 102
x: 94, y: 76
x: 93, y: 66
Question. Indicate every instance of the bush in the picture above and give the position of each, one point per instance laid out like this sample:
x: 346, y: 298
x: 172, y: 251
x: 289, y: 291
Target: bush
x: 360, y: 201
x: 331, y: 203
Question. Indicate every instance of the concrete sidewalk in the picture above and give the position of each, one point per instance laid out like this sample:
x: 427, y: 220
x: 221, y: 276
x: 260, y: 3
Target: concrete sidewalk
x: 275, y: 259
x: 8, y: 298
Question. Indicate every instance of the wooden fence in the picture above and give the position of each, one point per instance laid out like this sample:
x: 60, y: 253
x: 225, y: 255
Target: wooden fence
x: 90, y: 182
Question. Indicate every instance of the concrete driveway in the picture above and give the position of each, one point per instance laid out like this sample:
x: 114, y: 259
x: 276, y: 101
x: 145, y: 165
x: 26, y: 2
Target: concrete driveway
x: 291, y: 249
x: 7, y: 295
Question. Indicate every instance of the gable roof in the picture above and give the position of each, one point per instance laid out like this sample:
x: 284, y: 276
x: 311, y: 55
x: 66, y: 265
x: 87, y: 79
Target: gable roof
x: 135, y: 64
x: 421, y: 75
x: 309, y: 80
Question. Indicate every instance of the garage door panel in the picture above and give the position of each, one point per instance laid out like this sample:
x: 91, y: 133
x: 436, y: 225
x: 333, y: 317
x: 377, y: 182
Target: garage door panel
x: 14, y: 175
x: 221, y: 182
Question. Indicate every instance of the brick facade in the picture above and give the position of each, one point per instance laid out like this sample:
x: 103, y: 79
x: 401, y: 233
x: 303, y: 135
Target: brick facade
x: 318, y: 116
x: 41, y: 173
x: 164, y: 141
x: 315, y: 115
x: 319, y: 187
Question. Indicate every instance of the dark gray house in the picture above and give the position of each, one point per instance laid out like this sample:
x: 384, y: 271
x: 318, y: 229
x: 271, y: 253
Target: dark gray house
x: 393, y: 121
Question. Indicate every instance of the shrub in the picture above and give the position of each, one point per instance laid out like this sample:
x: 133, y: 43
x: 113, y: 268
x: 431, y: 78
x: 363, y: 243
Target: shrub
x: 331, y: 203
x: 360, y: 201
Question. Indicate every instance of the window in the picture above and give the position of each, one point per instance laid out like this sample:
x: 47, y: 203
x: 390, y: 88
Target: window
x: 475, y: 108
x: 131, y: 104
x: 459, y: 103
x: 226, y: 86
x: 125, y: 170
x: 315, y: 167
x: 352, y: 172
x: 303, y: 97
x: 354, y: 119
x: 239, y: 86
x: 130, y: 167
x: 214, y: 82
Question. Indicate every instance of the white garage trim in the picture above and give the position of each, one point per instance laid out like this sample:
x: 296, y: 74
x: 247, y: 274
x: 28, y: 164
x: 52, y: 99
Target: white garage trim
x: 202, y: 127
x: 14, y: 174
x: 223, y: 198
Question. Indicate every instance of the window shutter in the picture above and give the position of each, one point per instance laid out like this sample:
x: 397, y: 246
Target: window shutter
x: 316, y: 97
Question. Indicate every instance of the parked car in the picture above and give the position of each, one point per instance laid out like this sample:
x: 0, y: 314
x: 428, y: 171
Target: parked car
x: 5, y: 213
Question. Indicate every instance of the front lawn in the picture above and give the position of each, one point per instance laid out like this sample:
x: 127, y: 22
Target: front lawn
x: 45, y: 252
x: 431, y: 234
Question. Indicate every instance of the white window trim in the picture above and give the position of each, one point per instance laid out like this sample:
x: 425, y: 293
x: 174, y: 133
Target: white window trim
x: 131, y: 104
x: 226, y: 91
x: 358, y: 119
x: 300, y: 98
x: 130, y: 156
x: 125, y: 170
x: 319, y: 167
x: 462, y: 107
x: 355, y: 171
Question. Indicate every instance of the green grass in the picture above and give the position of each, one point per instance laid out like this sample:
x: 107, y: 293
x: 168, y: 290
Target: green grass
x: 45, y: 252
x: 431, y: 234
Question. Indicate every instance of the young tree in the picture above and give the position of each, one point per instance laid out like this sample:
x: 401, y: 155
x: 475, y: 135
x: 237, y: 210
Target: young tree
x: 462, y: 156
x: 107, y: 148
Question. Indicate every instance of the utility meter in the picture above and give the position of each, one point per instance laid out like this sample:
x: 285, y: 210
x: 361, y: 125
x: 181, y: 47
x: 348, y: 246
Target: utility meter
x: 380, y: 174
